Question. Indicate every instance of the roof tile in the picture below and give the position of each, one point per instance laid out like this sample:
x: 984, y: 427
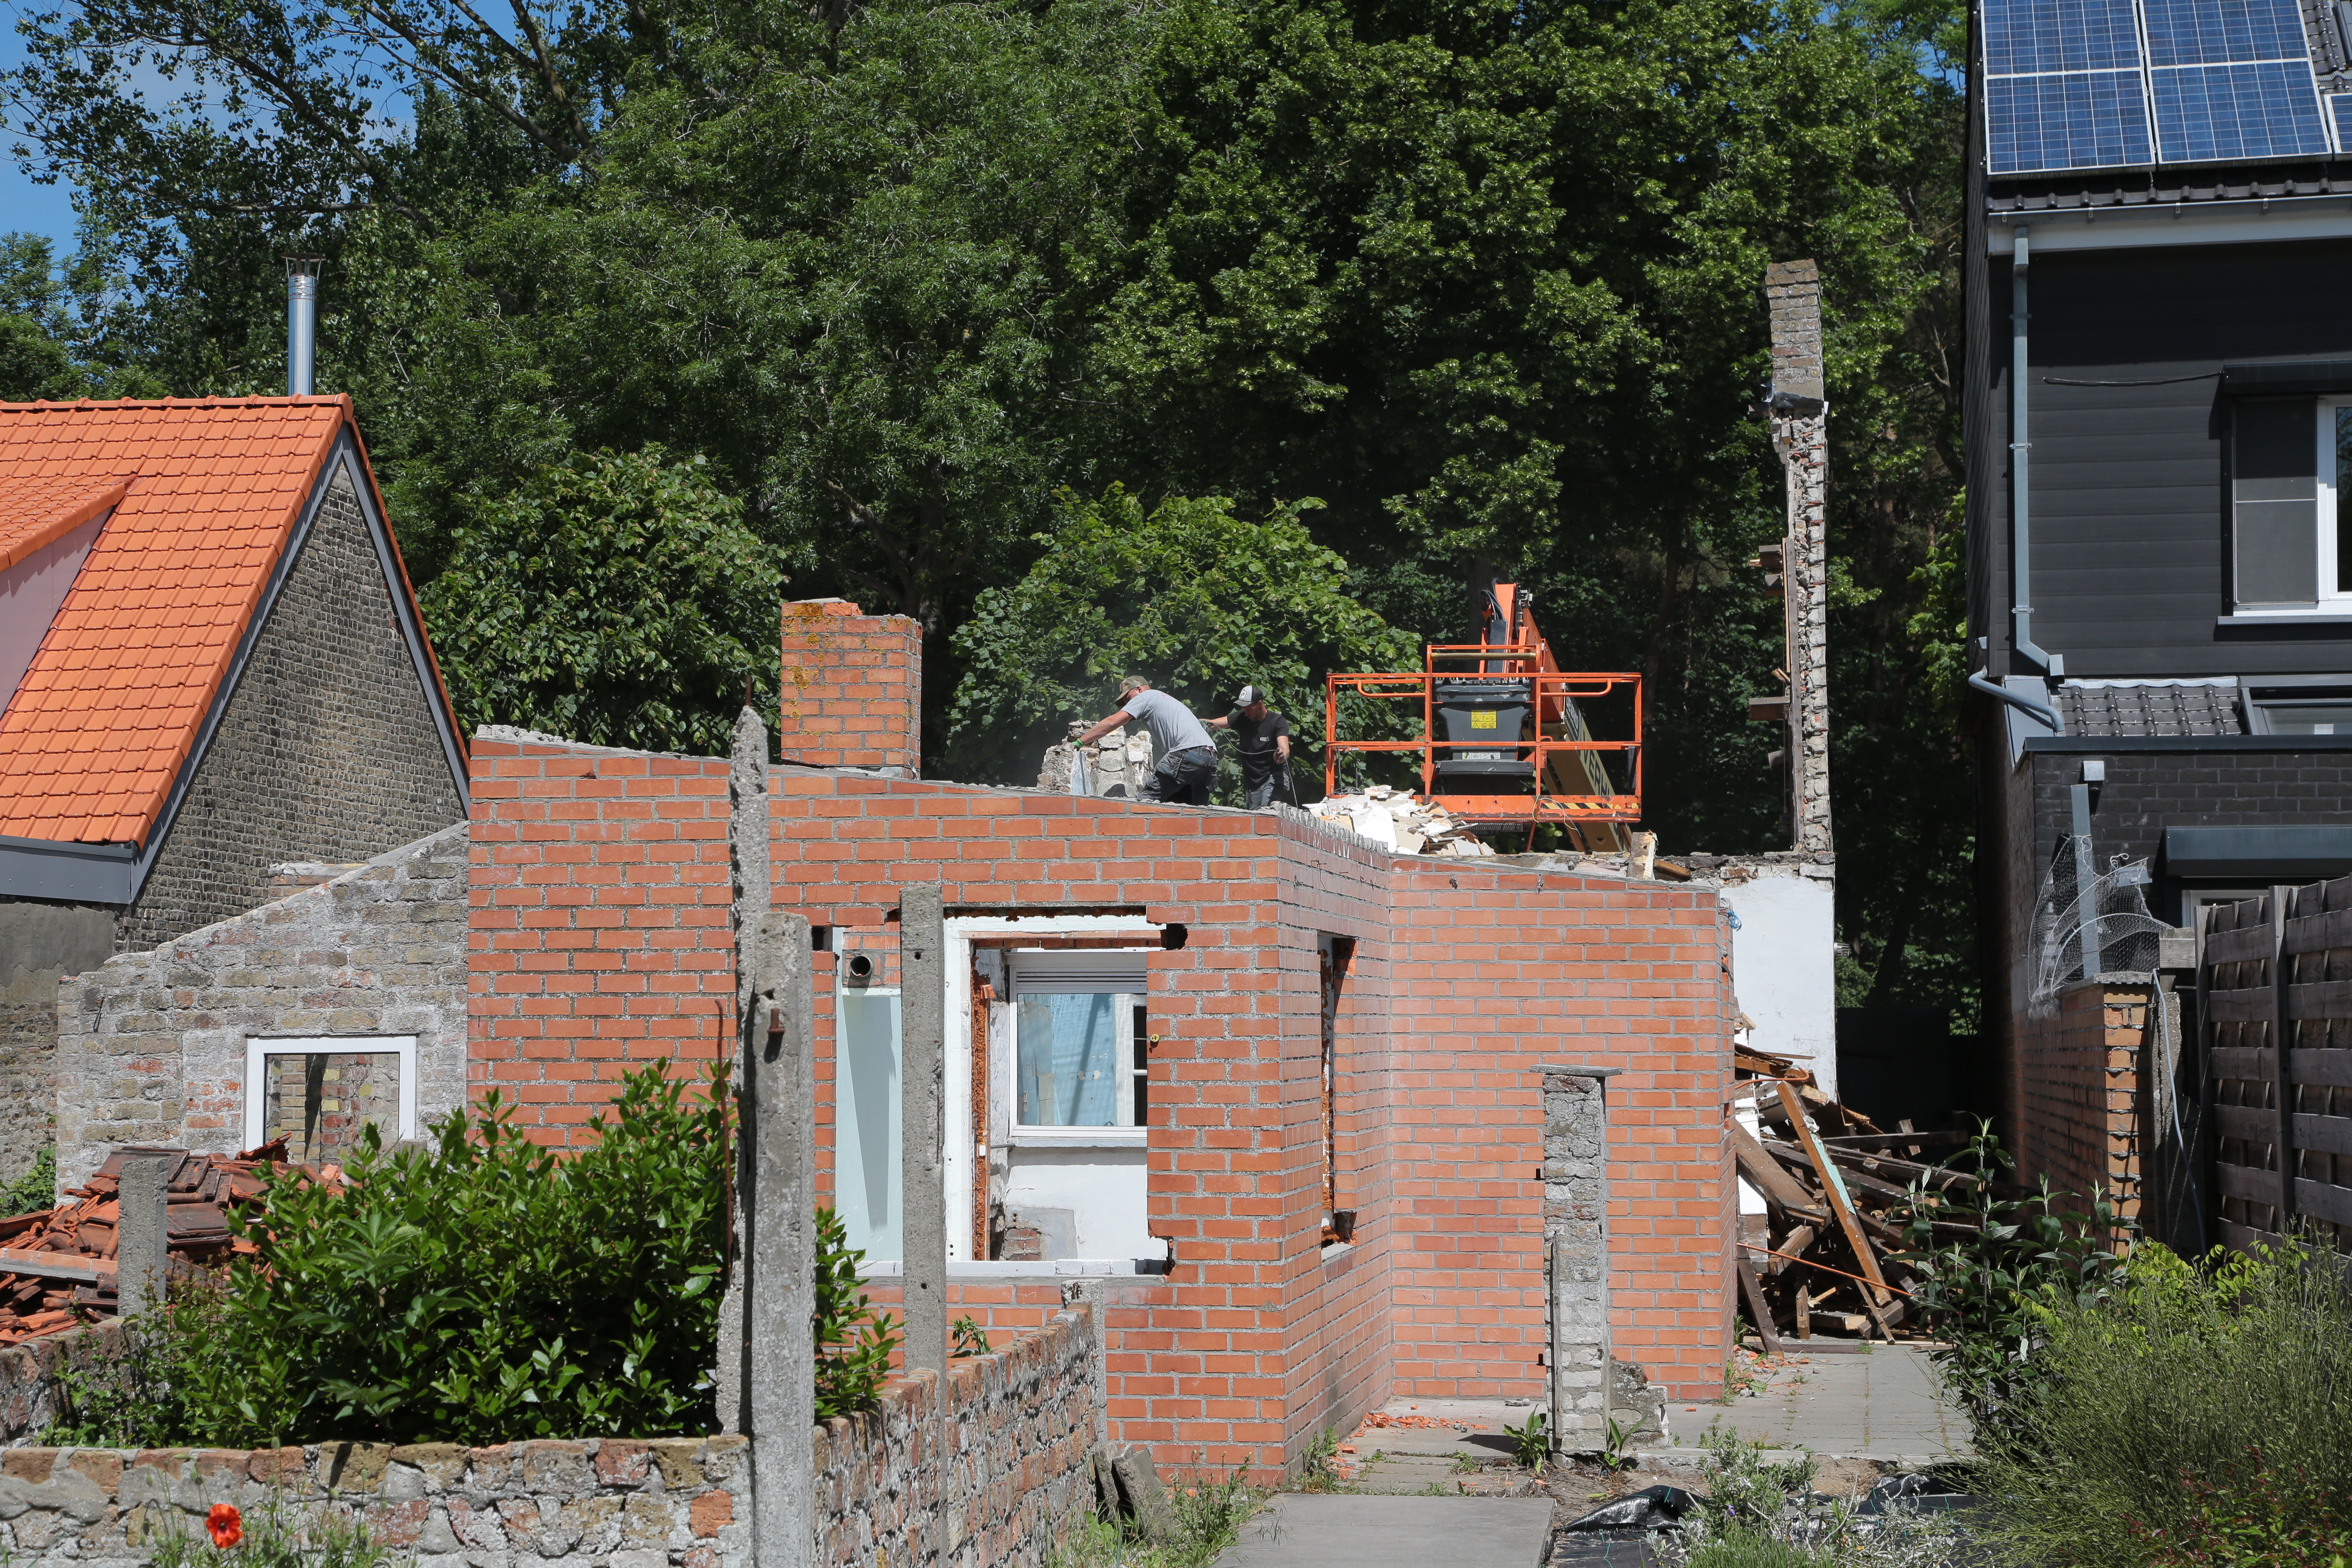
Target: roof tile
x: 96, y: 731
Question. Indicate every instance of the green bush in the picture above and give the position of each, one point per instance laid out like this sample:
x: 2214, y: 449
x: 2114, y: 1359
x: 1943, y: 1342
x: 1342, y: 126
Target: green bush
x: 1991, y: 1286
x: 2188, y: 1412
x: 853, y: 1339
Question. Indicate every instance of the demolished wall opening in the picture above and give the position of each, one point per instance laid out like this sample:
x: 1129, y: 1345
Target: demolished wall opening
x: 1337, y: 954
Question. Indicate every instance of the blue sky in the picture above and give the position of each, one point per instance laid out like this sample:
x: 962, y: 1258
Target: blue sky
x: 42, y: 209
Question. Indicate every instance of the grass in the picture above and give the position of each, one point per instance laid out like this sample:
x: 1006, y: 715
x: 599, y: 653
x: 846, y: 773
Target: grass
x: 1756, y: 1514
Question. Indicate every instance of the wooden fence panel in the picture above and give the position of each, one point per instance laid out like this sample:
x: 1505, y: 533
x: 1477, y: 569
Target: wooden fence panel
x: 2274, y: 988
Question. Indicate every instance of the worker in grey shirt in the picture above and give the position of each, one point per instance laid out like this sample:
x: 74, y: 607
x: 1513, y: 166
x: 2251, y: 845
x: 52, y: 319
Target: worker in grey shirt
x: 1187, y: 760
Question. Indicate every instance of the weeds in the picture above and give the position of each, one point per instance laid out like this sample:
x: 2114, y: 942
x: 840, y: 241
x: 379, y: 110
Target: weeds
x: 36, y: 1189
x: 1318, y: 1468
x: 1758, y: 1514
x: 971, y: 1339
x: 1530, y: 1443
x: 2196, y: 1408
x: 1209, y: 1512
x: 278, y: 1535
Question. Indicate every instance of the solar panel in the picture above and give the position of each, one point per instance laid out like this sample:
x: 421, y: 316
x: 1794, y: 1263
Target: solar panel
x: 2080, y: 119
x: 2220, y: 32
x: 2265, y: 110
x: 2339, y: 114
x: 2030, y: 37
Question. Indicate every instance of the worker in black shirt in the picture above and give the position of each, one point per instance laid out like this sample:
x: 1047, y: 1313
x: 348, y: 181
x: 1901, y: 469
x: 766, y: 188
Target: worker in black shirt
x: 1265, y: 737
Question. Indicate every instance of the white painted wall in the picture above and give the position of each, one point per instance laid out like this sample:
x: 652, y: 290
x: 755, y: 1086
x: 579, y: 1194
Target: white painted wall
x: 1784, y: 966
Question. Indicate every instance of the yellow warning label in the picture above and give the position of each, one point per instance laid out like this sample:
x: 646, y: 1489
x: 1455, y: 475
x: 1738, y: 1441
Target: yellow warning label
x: 1482, y: 721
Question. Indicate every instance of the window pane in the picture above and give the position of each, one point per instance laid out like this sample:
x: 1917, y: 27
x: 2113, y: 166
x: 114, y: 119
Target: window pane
x: 2343, y: 510
x: 1066, y: 1061
x: 2313, y: 720
x: 320, y: 1102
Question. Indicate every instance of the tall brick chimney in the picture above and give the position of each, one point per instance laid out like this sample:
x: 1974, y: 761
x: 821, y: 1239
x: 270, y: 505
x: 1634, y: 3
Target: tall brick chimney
x: 1799, y: 416
x: 852, y: 688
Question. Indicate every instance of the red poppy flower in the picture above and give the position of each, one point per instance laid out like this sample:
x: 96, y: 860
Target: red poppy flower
x: 226, y: 1525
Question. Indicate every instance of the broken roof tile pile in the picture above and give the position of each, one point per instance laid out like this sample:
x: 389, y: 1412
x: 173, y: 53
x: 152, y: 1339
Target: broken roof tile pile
x: 1836, y: 1193
x: 2165, y: 708
x: 45, y: 1295
x: 205, y: 494
x: 1400, y: 820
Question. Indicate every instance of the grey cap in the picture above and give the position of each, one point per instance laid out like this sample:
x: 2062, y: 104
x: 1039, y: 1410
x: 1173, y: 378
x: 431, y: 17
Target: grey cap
x: 1249, y: 694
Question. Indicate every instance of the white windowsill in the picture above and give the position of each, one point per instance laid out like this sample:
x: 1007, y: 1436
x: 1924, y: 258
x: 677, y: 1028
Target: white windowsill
x: 1081, y: 1137
x: 2287, y: 618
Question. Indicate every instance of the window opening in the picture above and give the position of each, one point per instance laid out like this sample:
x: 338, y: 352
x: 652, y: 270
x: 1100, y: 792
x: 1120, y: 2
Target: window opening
x: 1337, y: 954
x: 1080, y: 1040
x: 321, y: 1095
x: 2302, y: 707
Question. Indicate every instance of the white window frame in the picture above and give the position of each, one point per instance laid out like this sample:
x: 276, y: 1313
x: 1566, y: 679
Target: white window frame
x: 2330, y: 597
x: 259, y: 1049
x: 1032, y: 1135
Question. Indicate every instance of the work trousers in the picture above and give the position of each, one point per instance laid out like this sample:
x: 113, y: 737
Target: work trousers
x: 1182, y: 778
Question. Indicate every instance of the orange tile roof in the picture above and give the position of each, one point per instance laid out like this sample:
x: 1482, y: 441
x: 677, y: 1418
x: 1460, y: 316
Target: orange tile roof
x: 36, y: 509
x: 92, y: 740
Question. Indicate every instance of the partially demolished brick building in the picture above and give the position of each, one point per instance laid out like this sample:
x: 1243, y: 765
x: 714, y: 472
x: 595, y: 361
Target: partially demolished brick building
x: 1264, y: 1089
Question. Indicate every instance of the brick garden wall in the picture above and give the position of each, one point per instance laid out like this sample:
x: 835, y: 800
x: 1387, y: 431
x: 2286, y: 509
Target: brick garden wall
x: 853, y: 691
x: 153, y: 1044
x: 2079, y: 1073
x: 599, y: 939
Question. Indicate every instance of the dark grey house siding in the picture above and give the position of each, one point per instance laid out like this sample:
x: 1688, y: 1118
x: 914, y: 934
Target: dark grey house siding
x: 327, y: 750
x: 2130, y: 484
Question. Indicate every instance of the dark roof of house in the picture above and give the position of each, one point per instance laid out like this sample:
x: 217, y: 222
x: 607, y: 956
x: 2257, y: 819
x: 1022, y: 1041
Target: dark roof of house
x: 2151, y: 709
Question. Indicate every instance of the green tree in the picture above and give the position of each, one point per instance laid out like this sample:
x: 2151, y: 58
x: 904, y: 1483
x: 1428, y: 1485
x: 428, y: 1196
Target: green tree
x: 617, y: 600
x: 1201, y: 601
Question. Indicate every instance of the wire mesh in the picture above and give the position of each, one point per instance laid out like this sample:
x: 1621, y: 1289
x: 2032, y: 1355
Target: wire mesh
x: 2112, y: 912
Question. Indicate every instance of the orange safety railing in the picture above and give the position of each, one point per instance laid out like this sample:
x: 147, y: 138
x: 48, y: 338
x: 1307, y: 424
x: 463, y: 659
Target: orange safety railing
x: 1561, y: 770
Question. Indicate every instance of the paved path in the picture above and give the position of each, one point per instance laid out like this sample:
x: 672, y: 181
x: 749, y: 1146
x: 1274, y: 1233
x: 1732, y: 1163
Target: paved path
x: 1340, y: 1530
x: 1883, y: 1405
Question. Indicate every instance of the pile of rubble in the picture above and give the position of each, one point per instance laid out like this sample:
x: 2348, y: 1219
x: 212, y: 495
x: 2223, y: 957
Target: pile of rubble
x: 1825, y: 1257
x: 1400, y: 820
x: 61, y: 1262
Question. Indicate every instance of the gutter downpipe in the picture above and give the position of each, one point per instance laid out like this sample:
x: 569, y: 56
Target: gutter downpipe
x: 2018, y: 700
x: 2021, y: 448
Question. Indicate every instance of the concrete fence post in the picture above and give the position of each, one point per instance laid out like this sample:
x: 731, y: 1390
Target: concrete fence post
x: 780, y: 1246
x: 1576, y: 1254
x: 142, y: 1236
x: 923, y: 1001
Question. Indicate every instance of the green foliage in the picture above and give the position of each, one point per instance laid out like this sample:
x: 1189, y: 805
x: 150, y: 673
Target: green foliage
x: 615, y: 600
x: 1758, y: 1514
x: 967, y: 1338
x: 55, y: 327
x: 1210, y: 1512
x: 140, y: 1397
x: 2253, y: 1517
x: 1530, y: 1443
x: 854, y: 1338
x: 36, y: 1189
x: 275, y: 1535
x: 2186, y: 1410
x: 1201, y: 601
x: 1744, y: 1489
x: 483, y: 1291
x: 1994, y: 1282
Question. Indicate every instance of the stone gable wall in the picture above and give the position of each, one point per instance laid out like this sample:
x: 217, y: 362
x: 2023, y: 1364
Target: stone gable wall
x: 1009, y: 1462
x: 151, y: 1048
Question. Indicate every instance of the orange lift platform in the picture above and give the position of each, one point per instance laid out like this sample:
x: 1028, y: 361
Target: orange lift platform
x: 1504, y: 740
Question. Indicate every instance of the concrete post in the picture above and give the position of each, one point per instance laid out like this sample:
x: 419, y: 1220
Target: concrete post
x: 141, y: 1237
x: 780, y: 1245
x: 922, y: 1012
x: 747, y: 854
x: 1576, y: 1252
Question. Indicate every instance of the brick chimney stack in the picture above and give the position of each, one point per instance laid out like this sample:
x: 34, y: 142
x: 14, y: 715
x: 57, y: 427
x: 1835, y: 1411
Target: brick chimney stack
x: 1799, y: 416
x: 852, y: 688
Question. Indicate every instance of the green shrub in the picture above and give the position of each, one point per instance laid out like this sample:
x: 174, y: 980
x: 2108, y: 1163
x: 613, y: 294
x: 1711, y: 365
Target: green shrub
x: 36, y: 1189
x: 2187, y: 1408
x: 2253, y: 1517
x: 853, y: 1339
x: 1991, y: 1288
x: 479, y: 1291
x: 1744, y: 1548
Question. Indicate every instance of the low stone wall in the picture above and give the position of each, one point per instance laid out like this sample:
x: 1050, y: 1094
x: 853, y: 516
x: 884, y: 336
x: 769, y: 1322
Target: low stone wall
x: 1004, y: 1477
x: 29, y: 1375
x: 1009, y: 1465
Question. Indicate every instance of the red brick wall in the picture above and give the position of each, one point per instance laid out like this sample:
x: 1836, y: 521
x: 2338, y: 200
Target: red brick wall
x: 2079, y: 1082
x: 600, y: 938
x: 852, y: 688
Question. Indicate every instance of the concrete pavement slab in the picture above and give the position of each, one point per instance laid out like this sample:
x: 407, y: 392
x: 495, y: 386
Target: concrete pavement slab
x: 1343, y: 1530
